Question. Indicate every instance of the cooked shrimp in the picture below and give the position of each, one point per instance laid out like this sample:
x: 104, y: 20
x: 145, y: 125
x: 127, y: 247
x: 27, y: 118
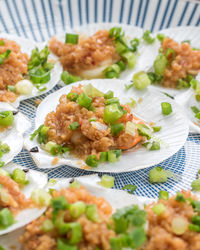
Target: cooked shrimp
x: 126, y: 141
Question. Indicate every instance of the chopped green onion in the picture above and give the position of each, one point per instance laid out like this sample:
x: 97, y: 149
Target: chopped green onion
x: 72, y: 96
x: 41, y: 134
x: 168, y: 95
x: 84, y: 101
x: 75, y: 233
x: 41, y: 197
x: 116, y: 128
x: 160, y: 37
x: 160, y: 64
x: 92, y: 119
x: 141, y: 80
x: 2, y: 42
x: 11, y: 88
x: 196, y: 185
x: 109, y: 94
x: 74, y: 125
x: 198, y: 115
x: 112, y: 113
x: 147, y: 37
x: 111, y: 101
x: 158, y: 175
x: 122, y: 65
x: 170, y: 54
x: 47, y: 226
x: 158, y: 209
x: 71, y: 38
x: 182, y: 84
x: 6, y: 218
x: 38, y: 75
x: 55, y: 149
x: 130, y: 188
x: 179, y: 225
x: 163, y: 195
x: 155, y: 146
x: 103, y: 156
x: 6, y: 118
x: 166, y: 108
x: 62, y: 245
x: 194, y: 228
x: 91, y: 213
x: 107, y: 181
x: 115, y: 32
x: 130, y: 58
x: 156, y: 128
x: 68, y: 78
x: 4, y: 56
x: 4, y: 172
x: 91, y: 91
x: 59, y: 203
x: 134, y: 44
x: 112, y: 71
x: 196, y: 219
x: 154, y: 78
x: 180, y: 197
x: 128, y: 86
x: 112, y: 156
x: 132, y: 104
x: 77, y: 209
x: 74, y: 184
x: 19, y: 176
x: 92, y: 161
x: 2, y: 248
x: 144, y: 131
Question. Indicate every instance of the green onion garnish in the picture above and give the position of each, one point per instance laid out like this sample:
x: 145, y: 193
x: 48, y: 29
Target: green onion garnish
x: 180, y: 197
x: 6, y: 218
x: 92, y: 161
x: 156, y: 128
x: 103, y: 156
x: 166, y: 108
x: 128, y: 86
x: 74, y: 125
x: 116, y: 128
x: 163, y: 195
x: 111, y: 101
x: 134, y: 44
x: 77, y: 209
x: 158, y: 209
x: 160, y: 37
x: 68, y: 78
x: 72, y: 96
x: 71, y: 38
x: 84, y: 101
x: 2, y: 42
x: 4, y: 56
x: 141, y: 80
x: 147, y: 37
x: 160, y: 64
x: 107, y: 181
x: 195, y: 109
x: 109, y: 94
x: 130, y: 58
x: 130, y: 188
x: 11, y: 88
x: 6, y: 118
x: 186, y: 41
x: 158, y: 175
x: 196, y: 185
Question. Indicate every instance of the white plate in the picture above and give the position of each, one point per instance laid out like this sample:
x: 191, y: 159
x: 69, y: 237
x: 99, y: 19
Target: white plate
x: 130, y: 32
x: 13, y: 136
x: 179, y: 34
x: 36, y: 180
x: 173, y: 134
x: 26, y: 47
x: 113, y: 196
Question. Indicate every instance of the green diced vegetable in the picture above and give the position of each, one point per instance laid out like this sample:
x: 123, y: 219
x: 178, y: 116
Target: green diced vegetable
x: 147, y: 37
x: 144, y: 131
x: 158, y: 209
x: 156, y: 128
x: 111, y: 101
x: 92, y: 119
x: 19, y: 176
x: 84, y: 100
x: 71, y: 38
x: 75, y: 233
x: 72, y: 96
x: 92, y: 91
x: 122, y: 65
x: 112, y: 156
x: 196, y: 219
x: 41, y: 197
x: 68, y: 78
x: 132, y: 104
x: 92, y: 161
x: 160, y: 64
x: 134, y: 44
x: 112, y: 71
x: 74, y: 125
x: 47, y: 226
x: 130, y: 188
x: 196, y: 185
x: 112, y: 113
x: 155, y: 146
x: 158, y: 174
x: 59, y: 203
x: 166, y: 108
x: 141, y: 80
x: 115, y: 32
x: 103, y: 156
x: 182, y: 84
x: 116, y: 128
x: 4, y: 56
x: 109, y: 94
x: 62, y: 245
x: 198, y: 115
x: 160, y: 37
x: 170, y: 54
x: 163, y: 195
x: 130, y: 58
x: 4, y: 172
x: 91, y: 213
x: 74, y: 184
x: 55, y: 149
x: 77, y: 209
x: 180, y: 197
x: 39, y: 75
x: 11, y: 88
x: 6, y: 218
x: 6, y: 118
x: 128, y: 86
x: 193, y: 227
x: 107, y: 181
